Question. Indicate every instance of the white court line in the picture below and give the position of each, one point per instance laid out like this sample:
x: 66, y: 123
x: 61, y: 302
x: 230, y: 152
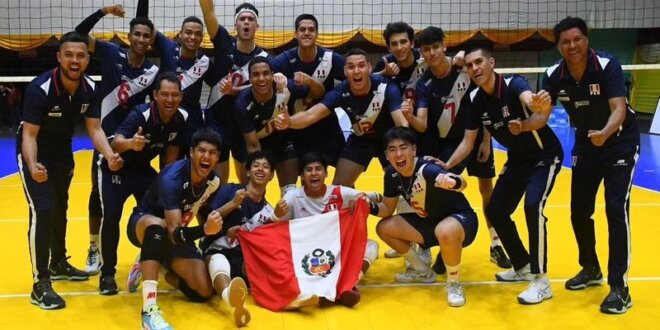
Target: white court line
x: 366, y: 286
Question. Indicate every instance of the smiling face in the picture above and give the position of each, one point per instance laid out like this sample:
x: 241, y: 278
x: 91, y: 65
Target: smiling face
x: 191, y: 36
x: 306, y: 33
x: 357, y: 70
x: 140, y: 38
x: 400, y: 46
x: 480, y: 68
x: 74, y: 59
x: 246, y: 26
x: 260, y: 172
x: 433, y: 53
x: 168, y: 98
x: 261, y: 78
x: 573, y: 46
x: 313, y: 178
x: 401, y: 155
x: 204, y: 156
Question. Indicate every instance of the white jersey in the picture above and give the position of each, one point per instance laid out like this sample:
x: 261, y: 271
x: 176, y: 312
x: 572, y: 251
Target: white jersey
x: 301, y: 205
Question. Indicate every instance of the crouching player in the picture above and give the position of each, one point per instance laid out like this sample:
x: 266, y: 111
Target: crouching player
x: 442, y: 215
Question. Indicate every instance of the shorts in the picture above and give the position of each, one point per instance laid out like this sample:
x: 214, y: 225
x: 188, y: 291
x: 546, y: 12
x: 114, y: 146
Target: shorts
x: 361, y: 151
x: 426, y: 227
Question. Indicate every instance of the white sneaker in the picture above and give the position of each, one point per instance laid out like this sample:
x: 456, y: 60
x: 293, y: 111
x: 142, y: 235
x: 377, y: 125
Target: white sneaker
x: 237, y: 293
x: 92, y: 264
x: 522, y: 275
x: 425, y: 255
x: 415, y: 276
x: 455, y: 295
x: 391, y: 253
x: 537, y: 291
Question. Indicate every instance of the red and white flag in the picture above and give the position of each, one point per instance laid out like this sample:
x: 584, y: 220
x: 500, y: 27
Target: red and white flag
x: 319, y: 255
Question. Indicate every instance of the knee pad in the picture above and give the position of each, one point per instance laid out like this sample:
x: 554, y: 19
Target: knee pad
x: 153, y: 243
x: 219, y: 265
x: 371, y: 252
x: 286, y: 188
x: 191, y: 294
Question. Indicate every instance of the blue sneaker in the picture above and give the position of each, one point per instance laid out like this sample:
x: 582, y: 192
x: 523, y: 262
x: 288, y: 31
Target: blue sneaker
x: 134, y: 278
x: 152, y: 319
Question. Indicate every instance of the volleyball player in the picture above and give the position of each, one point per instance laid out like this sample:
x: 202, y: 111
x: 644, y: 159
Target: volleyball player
x: 310, y: 64
x: 229, y: 75
x: 127, y: 75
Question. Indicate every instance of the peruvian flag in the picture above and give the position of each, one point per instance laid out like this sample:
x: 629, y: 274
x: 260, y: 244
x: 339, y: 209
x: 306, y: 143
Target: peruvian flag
x: 320, y: 255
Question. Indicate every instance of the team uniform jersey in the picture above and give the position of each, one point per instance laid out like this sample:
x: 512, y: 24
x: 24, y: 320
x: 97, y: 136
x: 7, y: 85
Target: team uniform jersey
x: 587, y: 102
x: 160, y: 135
x: 173, y: 190
x: 257, y: 117
x: 495, y: 111
x: 123, y: 86
x: 325, y: 135
x: 190, y: 72
x: 369, y: 114
x: 48, y: 105
x: 301, y: 205
x: 445, y: 116
x: 228, y: 59
x: 429, y: 203
x: 408, y: 77
x: 249, y: 215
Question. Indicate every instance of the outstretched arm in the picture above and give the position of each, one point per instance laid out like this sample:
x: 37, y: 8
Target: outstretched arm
x: 211, y: 22
x: 86, y: 26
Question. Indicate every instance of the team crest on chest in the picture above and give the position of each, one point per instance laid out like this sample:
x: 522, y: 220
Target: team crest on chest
x: 594, y: 89
x: 318, y: 263
x: 376, y: 106
x: 505, y: 111
x: 461, y: 86
x: 84, y: 107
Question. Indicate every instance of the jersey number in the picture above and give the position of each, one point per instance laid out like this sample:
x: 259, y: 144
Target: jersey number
x: 451, y: 106
x: 122, y: 93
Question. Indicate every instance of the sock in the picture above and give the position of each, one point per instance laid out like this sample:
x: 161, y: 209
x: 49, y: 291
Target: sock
x: 543, y: 278
x: 415, y: 262
x: 92, y: 241
x: 225, y: 295
x: 494, y: 239
x: 149, y: 293
x: 452, y: 273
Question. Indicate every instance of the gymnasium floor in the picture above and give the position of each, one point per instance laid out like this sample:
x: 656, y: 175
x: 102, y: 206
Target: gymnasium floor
x: 385, y: 304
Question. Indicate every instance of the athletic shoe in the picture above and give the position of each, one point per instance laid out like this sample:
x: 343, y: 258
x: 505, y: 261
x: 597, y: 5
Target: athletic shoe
x: 455, y: 295
x: 537, y: 291
x: 237, y: 293
x: 92, y: 264
x: 498, y: 257
x: 618, y: 301
x: 108, y: 285
x: 349, y: 298
x: 588, y: 276
x: 391, y: 253
x: 415, y: 276
x: 439, y: 265
x: 45, y: 297
x: 511, y: 275
x: 134, y: 278
x: 152, y: 319
x: 312, y: 300
x: 425, y: 255
x: 63, y: 270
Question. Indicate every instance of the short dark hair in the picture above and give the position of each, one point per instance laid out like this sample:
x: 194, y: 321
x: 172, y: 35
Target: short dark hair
x: 73, y: 36
x: 141, y: 21
x: 569, y: 23
x: 261, y: 154
x: 429, y: 36
x: 169, y: 76
x: 401, y: 133
x: 257, y: 60
x: 246, y: 5
x: 192, y: 19
x: 398, y: 27
x: 206, y: 134
x: 484, y: 50
x: 312, y: 157
x: 356, y: 51
x: 309, y: 17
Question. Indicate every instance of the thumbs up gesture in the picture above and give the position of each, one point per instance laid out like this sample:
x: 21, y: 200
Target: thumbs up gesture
x: 138, y: 141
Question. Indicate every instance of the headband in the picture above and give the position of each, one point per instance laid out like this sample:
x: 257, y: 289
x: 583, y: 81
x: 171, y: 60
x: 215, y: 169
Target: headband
x: 243, y: 10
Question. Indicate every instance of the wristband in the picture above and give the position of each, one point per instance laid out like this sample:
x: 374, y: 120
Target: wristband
x: 183, y: 235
